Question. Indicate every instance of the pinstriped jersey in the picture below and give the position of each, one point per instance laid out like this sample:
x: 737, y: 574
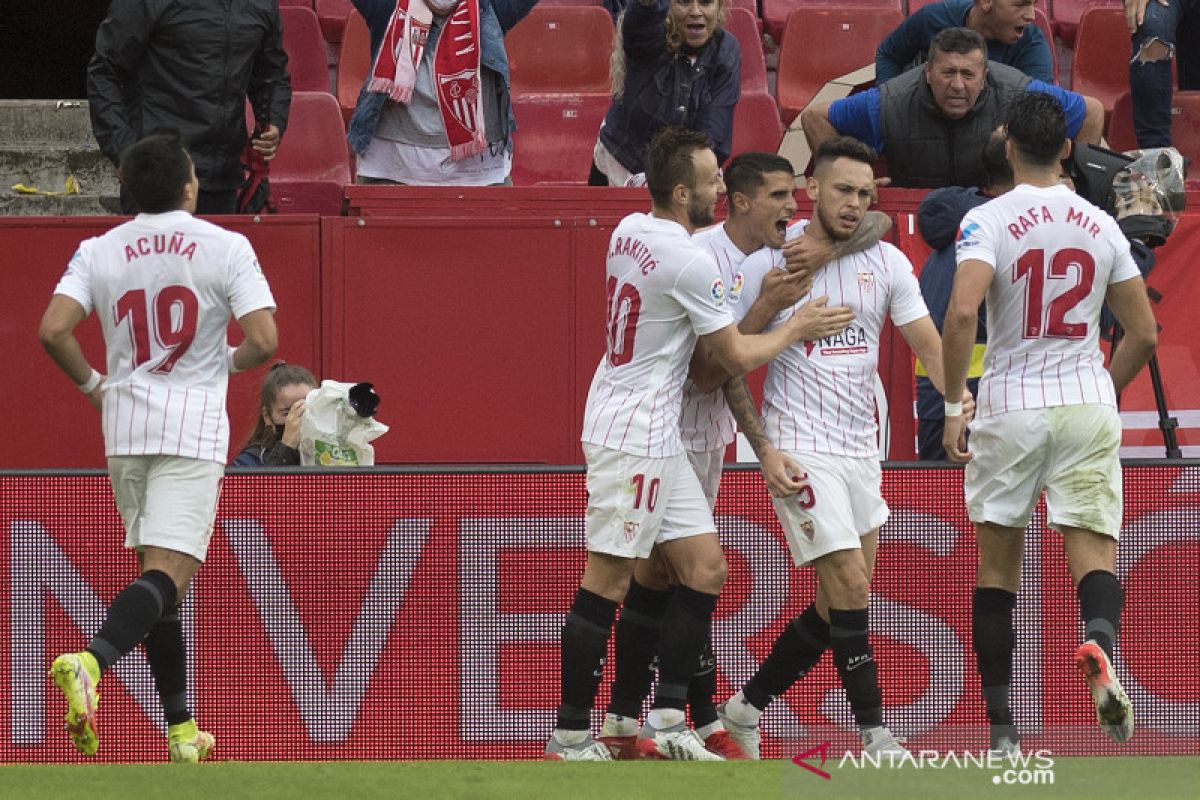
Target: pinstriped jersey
x: 663, y: 291
x: 706, y: 422
x: 820, y: 395
x: 1054, y: 255
x: 164, y: 287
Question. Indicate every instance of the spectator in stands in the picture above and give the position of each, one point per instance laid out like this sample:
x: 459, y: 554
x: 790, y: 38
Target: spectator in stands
x: 275, y: 440
x: 932, y: 122
x: 672, y: 64
x: 432, y: 113
x: 1158, y: 26
x: 190, y: 67
x: 938, y: 219
x: 1006, y: 25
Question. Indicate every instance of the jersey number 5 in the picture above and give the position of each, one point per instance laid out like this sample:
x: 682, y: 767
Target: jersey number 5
x: 171, y: 317
x: 623, y: 311
x: 1032, y: 263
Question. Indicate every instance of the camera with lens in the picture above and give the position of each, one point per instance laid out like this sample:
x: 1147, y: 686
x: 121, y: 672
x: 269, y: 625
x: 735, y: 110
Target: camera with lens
x: 1143, y: 190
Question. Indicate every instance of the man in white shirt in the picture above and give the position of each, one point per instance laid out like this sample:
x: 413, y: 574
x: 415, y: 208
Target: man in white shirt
x: 820, y: 411
x: 763, y: 279
x: 1046, y: 260
x: 665, y: 299
x: 164, y: 286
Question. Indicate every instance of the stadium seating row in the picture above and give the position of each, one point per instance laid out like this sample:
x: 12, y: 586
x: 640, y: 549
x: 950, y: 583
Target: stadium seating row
x: 559, y: 58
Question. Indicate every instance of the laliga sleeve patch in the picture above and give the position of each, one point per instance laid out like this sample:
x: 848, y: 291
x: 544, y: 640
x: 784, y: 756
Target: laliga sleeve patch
x: 967, y: 236
x: 717, y: 291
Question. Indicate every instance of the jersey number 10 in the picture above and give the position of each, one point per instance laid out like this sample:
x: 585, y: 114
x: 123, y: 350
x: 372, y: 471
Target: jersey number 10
x: 1032, y: 264
x: 623, y: 311
x: 171, y: 317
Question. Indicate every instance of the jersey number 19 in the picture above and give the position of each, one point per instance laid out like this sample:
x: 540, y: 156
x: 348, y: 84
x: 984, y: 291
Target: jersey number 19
x: 171, y: 317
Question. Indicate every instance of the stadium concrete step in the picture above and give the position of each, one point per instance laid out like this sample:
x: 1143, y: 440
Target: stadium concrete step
x: 42, y: 143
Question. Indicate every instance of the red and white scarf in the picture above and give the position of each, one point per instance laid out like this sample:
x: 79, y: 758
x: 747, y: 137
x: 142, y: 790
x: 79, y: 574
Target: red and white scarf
x: 455, y: 68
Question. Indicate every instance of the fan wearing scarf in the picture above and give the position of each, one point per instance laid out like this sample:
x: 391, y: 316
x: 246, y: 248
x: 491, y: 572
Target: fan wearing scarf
x: 435, y: 108
x: 672, y: 64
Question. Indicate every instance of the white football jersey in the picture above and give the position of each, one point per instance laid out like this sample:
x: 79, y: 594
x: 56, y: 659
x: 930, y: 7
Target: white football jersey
x: 164, y: 287
x: 820, y: 396
x: 1054, y: 256
x: 663, y: 291
x: 706, y: 422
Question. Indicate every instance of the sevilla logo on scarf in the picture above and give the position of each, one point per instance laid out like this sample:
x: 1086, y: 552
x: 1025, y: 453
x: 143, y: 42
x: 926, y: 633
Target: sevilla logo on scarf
x: 455, y: 69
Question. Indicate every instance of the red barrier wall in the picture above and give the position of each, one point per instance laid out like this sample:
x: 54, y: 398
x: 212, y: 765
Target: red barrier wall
x: 479, y: 316
x: 414, y: 616
x: 52, y: 425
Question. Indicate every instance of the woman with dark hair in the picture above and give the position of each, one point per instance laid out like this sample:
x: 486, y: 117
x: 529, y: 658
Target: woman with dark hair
x: 276, y: 435
x: 672, y: 64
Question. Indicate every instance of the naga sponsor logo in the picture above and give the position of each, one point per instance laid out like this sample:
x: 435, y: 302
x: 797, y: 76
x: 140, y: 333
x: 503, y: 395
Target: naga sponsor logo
x: 852, y: 341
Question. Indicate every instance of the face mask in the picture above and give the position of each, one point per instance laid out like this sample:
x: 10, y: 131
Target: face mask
x: 279, y: 431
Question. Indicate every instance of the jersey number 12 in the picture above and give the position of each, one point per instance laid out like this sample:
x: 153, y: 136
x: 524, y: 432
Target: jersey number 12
x: 1032, y: 264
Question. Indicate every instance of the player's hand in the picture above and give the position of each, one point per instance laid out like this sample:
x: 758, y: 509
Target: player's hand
x: 1135, y: 12
x: 783, y: 475
x: 782, y: 289
x: 807, y: 255
x: 814, y: 320
x: 291, y: 425
x: 267, y: 143
x: 96, y: 396
x: 954, y: 437
x: 968, y: 401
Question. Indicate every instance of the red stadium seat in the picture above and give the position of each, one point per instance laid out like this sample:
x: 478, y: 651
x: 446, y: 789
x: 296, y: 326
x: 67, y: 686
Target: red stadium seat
x: 1185, y: 126
x: 1067, y: 15
x: 332, y: 14
x: 1043, y: 22
x: 305, y: 3
x: 354, y: 62
x: 1101, y: 65
x: 776, y: 12
x: 756, y: 124
x: 562, y: 49
x: 313, y: 166
x: 555, y: 136
x: 1120, y: 134
x: 821, y: 44
x: 305, y: 49
x: 742, y: 24
x: 747, y: 5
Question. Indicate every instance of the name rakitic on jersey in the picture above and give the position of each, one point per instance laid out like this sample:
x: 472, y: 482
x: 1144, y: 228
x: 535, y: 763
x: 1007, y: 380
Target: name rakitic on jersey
x: 158, y: 244
x: 1033, y: 217
x: 633, y: 248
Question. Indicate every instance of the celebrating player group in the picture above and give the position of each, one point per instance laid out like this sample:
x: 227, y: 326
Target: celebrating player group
x: 692, y: 308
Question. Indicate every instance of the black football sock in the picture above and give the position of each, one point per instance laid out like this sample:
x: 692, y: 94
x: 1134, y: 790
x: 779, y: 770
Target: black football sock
x: 685, y: 629
x: 131, y: 615
x: 702, y: 688
x: 167, y: 654
x: 584, y: 647
x: 856, y: 665
x: 1100, y: 602
x: 993, y: 641
x: 796, y: 650
x: 638, y: 630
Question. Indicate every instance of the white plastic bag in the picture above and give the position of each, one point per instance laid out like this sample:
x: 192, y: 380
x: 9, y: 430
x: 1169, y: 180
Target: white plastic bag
x: 332, y: 434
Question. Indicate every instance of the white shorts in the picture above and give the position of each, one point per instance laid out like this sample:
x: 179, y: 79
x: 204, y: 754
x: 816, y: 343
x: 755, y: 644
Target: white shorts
x: 635, y: 502
x: 707, y: 464
x: 842, y: 503
x: 167, y: 501
x: 1069, y: 451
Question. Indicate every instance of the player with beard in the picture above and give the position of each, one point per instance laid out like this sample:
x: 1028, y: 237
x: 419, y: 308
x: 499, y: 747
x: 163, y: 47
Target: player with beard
x: 764, y: 275
x: 664, y: 295
x: 820, y: 411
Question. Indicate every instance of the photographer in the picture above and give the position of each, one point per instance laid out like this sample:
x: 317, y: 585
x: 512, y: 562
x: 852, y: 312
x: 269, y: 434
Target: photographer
x: 275, y: 440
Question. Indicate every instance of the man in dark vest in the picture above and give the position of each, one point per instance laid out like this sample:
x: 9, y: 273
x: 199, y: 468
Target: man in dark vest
x: 932, y: 122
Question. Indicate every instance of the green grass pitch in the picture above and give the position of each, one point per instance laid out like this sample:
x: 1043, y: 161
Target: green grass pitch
x: 1119, y: 778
